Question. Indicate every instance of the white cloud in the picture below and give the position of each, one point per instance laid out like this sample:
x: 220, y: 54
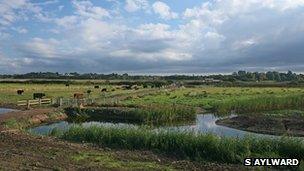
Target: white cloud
x: 67, y: 21
x: 87, y: 9
x: 43, y: 48
x: 135, y: 5
x: 20, y: 30
x: 164, y: 11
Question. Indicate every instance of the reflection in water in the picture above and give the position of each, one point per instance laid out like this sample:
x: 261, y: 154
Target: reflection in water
x: 204, y: 124
x: 5, y: 110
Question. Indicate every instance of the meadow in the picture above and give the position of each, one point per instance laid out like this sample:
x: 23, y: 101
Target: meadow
x: 223, y: 100
x: 8, y: 91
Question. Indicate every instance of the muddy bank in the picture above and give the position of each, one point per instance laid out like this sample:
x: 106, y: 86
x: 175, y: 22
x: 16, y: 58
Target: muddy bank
x: 28, y: 118
x: 274, y: 125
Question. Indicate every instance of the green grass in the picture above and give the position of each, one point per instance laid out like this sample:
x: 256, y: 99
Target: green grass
x: 186, y: 145
x: 260, y: 103
x: 223, y: 100
x: 8, y: 91
x: 109, y: 161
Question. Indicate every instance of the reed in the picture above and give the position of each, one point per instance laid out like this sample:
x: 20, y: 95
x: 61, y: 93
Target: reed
x: 186, y: 145
x: 150, y: 114
x: 260, y: 103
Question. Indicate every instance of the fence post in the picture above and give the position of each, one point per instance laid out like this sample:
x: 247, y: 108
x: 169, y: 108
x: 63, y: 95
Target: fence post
x: 60, y: 101
x: 39, y: 102
x: 28, y: 104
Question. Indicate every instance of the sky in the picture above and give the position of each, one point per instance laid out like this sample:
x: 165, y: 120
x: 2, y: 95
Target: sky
x: 151, y: 37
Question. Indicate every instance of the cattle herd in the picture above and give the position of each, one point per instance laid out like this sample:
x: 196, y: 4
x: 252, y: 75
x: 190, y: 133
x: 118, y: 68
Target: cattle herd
x: 79, y: 95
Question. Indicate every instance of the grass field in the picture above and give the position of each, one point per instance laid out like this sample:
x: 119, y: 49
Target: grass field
x: 220, y: 99
x: 8, y: 91
x: 223, y: 100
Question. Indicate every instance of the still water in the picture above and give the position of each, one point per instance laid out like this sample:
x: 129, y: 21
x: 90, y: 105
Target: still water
x: 205, y: 123
x: 5, y: 110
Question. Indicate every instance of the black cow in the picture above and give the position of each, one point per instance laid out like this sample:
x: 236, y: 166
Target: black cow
x: 67, y: 85
x: 20, y: 92
x: 38, y: 95
x: 104, y: 90
x: 89, y: 91
x: 96, y: 87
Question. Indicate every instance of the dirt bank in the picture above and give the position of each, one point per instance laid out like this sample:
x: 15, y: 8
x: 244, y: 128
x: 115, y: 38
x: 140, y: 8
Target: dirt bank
x: 27, y: 118
x: 274, y: 125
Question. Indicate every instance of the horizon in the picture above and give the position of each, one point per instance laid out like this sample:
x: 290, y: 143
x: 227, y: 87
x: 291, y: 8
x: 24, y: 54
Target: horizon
x: 155, y: 74
x: 142, y: 37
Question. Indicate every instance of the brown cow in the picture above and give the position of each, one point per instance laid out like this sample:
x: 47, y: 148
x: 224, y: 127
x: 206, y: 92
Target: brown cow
x: 78, y: 95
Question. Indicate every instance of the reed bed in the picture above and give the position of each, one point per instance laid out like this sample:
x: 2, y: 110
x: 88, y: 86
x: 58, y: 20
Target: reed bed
x: 185, y: 145
x: 260, y: 103
x: 150, y: 114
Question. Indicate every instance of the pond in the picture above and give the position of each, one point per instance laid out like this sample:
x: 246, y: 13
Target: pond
x: 5, y: 110
x: 205, y: 123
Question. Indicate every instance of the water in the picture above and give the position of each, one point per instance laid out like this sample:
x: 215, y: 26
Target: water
x: 5, y: 110
x: 205, y: 123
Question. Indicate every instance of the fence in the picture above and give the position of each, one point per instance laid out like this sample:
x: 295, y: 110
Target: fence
x: 73, y: 102
x: 30, y: 103
x: 58, y: 102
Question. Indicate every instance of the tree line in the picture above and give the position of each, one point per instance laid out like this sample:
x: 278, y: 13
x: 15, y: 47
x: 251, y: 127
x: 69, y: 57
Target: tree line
x: 236, y: 76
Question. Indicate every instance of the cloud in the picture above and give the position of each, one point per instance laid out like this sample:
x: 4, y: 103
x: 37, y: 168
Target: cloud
x: 9, y: 11
x: 20, y: 30
x: 215, y: 36
x: 87, y: 9
x: 135, y: 5
x: 164, y: 11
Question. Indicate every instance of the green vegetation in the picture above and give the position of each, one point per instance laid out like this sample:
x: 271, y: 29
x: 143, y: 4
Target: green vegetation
x: 12, y: 124
x: 223, y: 100
x: 260, y: 103
x: 9, y: 94
x: 151, y: 114
x: 109, y: 160
x: 26, y: 122
x: 186, y: 145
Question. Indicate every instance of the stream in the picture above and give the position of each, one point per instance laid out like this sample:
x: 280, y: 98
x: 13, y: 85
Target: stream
x: 205, y: 123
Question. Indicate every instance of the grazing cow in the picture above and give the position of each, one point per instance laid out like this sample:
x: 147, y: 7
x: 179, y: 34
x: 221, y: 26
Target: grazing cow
x: 89, y: 91
x: 67, y: 85
x: 78, y: 96
x: 20, y: 92
x: 104, y: 90
x: 38, y: 95
x: 97, y: 87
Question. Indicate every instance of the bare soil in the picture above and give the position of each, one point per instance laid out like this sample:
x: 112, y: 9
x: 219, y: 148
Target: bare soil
x: 288, y: 125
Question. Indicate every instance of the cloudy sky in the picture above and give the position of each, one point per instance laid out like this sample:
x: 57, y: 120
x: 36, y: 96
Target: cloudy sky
x: 152, y: 37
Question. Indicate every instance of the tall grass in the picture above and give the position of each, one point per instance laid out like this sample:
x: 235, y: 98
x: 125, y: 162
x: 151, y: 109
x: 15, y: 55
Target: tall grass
x: 260, y: 103
x: 186, y: 145
x: 151, y: 114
